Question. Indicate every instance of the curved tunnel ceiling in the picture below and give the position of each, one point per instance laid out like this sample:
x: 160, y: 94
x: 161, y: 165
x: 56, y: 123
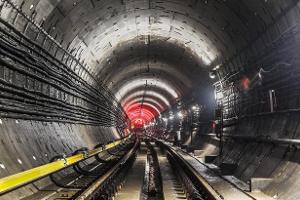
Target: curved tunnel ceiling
x: 154, y: 51
x: 161, y: 97
x: 156, y: 56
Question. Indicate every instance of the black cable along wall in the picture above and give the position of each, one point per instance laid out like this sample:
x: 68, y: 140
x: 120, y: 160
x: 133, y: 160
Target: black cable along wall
x: 41, y: 81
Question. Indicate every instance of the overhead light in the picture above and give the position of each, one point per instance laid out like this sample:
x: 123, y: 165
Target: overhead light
x: 212, y: 74
x: 171, y: 117
x: 194, y: 107
x: 2, y: 166
x: 219, y: 95
x: 180, y: 115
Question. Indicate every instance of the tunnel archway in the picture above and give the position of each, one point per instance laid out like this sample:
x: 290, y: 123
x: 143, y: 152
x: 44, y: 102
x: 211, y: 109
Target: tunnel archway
x: 221, y: 77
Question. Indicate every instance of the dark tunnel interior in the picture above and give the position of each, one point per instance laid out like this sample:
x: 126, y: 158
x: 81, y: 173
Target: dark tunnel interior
x: 216, y: 77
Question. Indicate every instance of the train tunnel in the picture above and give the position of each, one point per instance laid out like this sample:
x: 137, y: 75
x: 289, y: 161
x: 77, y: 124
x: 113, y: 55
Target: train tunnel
x: 165, y: 99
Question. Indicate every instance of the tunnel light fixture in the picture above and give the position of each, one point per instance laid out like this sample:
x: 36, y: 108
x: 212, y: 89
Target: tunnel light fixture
x: 20, y: 161
x: 180, y: 115
x: 219, y: 95
x: 206, y: 60
x: 217, y: 67
x: 2, y: 165
x: 212, y: 74
x: 195, y: 107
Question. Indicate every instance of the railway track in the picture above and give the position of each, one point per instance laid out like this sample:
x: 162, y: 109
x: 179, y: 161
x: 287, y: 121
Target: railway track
x: 164, y: 176
x: 132, y: 170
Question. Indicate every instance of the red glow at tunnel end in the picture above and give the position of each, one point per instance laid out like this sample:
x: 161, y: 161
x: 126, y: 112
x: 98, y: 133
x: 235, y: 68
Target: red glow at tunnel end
x: 140, y: 114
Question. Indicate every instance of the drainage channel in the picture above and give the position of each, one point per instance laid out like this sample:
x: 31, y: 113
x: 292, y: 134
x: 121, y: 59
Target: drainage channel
x: 144, y: 180
x: 152, y: 187
x: 151, y: 177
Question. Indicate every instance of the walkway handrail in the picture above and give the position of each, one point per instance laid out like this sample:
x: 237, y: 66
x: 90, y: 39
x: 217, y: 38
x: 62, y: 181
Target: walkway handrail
x: 15, y: 181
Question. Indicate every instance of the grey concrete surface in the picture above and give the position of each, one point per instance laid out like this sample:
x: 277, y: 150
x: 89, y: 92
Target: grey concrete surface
x: 28, y: 144
x: 224, y: 188
x: 172, y: 188
x: 133, y: 183
x: 174, y: 44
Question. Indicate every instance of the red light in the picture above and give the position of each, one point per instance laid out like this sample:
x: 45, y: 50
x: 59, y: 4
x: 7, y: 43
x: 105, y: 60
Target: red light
x: 140, y: 114
x: 245, y: 83
x: 126, y: 131
x: 214, y: 125
x: 138, y: 123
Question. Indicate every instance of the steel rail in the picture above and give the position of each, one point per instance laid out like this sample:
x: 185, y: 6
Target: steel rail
x: 210, y: 169
x: 15, y: 181
x: 209, y: 190
x: 190, y: 189
x: 93, y: 188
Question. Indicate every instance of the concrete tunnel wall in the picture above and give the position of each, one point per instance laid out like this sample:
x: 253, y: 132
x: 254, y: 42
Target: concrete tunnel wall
x: 30, y: 140
x: 244, y: 36
x: 27, y: 144
x: 258, y: 156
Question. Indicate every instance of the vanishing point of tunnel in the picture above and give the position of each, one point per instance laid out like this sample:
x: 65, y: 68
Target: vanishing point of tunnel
x: 150, y: 99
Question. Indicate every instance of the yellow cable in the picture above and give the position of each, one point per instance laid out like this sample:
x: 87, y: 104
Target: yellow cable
x: 17, y: 180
